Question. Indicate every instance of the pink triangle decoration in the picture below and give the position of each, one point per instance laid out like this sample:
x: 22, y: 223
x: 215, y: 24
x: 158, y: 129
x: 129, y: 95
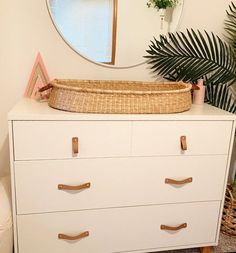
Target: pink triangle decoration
x: 38, y: 78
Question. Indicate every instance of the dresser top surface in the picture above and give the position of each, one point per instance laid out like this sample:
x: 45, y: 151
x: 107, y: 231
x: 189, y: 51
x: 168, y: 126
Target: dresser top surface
x: 29, y: 109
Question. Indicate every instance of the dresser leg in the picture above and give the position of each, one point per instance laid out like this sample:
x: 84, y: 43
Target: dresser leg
x: 206, y: 250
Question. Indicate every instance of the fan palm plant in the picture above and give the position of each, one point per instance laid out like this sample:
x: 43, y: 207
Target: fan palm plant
x: 197, y: 55
x: 230, y: 26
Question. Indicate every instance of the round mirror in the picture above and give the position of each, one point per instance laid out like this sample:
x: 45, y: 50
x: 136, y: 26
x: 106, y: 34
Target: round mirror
x: 113, y: 33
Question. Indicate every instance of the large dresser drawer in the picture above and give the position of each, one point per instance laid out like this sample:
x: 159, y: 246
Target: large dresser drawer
x: 53, y: 139
x: 163, y: 137
x: 119, y: 229
x: 117, y: 182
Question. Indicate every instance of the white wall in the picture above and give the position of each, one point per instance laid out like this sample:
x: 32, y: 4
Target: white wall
x: 146, y: 20
x: 26, y: 28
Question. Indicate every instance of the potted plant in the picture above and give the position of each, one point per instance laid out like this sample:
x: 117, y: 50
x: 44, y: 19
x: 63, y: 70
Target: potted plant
x: 162, y: 4
x: 194, y: 55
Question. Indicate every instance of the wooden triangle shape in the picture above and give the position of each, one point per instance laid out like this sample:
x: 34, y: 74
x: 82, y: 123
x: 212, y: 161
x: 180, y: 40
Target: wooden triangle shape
x: 38, y: 84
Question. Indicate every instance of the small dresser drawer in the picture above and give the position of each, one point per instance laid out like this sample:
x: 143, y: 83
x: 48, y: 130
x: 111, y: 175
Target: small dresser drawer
x: 116, y: 182
x: 119, y: 229
x: 164, y: 138
x: 53, y: 139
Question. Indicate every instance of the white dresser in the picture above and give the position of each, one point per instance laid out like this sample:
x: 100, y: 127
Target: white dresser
x: 95, y: 183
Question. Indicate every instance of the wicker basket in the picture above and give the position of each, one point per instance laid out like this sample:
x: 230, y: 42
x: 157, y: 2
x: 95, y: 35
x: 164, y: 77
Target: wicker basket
x: 129, y: 97
x: 228, y: 224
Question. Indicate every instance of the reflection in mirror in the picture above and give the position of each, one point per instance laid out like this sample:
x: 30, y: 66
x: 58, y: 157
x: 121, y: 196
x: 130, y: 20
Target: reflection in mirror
x: 88, y: 25
x: 114, y: 32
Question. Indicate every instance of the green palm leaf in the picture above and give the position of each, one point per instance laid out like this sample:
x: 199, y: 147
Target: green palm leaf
x: 191, y: 57
x: 221, y: 97
x: 230, y: 26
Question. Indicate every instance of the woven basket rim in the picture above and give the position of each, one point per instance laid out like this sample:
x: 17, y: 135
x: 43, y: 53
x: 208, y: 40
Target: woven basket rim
x: 231, y: 197
x: 228, y: 225
x: 67, y: 85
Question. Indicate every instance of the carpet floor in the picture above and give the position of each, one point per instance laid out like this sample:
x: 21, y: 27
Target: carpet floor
x: 226, y: 244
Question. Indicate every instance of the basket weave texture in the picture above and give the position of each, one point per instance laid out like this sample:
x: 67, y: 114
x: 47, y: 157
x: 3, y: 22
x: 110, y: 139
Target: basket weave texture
x: 228, y: 224
x: 124, y: 97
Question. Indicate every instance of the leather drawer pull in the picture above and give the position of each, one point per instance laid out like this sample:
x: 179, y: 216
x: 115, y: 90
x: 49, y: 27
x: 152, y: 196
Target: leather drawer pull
x: 179, y: 182
x: 75, y: 145
x: 164, y: 227
x: 183, y: 142
x: 73, y: 238
x: 74, y: 188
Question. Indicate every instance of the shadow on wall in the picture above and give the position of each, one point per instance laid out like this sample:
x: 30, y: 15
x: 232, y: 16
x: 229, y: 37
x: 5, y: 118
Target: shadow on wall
x: 4, y: 158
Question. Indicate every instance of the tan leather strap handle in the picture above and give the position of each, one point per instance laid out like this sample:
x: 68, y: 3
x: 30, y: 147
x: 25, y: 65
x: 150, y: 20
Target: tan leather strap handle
x: 75, y: 145
x: 183, y: 143
x: 47, y: 87
x: 179, y: 182
x: 74, y: 188
x: 73, y: 238
x: 195, y: 87
x: 165, y: 227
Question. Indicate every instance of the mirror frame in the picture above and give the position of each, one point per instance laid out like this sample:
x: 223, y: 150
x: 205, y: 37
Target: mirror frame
x: 109, y: 64
x: 114, y: 33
